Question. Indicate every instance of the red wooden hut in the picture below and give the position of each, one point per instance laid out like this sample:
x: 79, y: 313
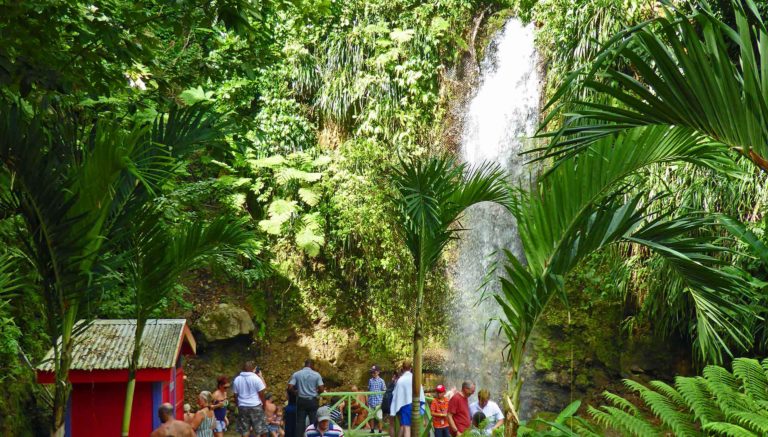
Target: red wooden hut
x: 99, y: 375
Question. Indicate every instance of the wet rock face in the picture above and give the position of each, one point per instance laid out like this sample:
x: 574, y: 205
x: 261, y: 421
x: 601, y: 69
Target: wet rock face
x: 224, y: 322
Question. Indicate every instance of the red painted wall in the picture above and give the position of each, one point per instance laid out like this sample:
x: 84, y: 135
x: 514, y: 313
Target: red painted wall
x: 179, y: 387
x: 97, y: 409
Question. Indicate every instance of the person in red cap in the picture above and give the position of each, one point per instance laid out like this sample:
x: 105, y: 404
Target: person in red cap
x: 439, y: 408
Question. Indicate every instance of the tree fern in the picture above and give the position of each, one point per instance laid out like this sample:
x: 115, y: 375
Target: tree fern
x: 626, y: 423
x: 719, y: 403
x: 699, y: 400
x: 753, y: 377
x: 728, y: 429
x: 666, y: 409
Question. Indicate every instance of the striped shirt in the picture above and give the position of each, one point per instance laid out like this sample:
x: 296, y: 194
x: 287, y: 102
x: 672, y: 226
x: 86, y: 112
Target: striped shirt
x: 376, y: 384
x: 332, y: 431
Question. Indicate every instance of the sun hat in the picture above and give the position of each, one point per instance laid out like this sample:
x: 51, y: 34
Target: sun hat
x: 323, y: 413
x: 440, y: 388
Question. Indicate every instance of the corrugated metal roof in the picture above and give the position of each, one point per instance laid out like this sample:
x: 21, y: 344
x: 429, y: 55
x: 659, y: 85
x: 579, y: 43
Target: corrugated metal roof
x: 108, y: 345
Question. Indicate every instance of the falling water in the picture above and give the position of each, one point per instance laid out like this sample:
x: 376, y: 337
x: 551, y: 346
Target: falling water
x: 503, y: 112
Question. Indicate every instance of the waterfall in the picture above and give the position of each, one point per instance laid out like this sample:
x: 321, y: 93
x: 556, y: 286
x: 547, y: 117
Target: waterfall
x: 499, y: 117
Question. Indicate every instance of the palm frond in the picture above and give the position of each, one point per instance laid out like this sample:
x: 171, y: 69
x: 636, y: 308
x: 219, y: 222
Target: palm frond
x: 432, y: 194
x: 684, y: 76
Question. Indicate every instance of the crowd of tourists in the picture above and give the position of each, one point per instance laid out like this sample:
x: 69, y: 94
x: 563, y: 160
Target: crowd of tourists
x: 304, y: 416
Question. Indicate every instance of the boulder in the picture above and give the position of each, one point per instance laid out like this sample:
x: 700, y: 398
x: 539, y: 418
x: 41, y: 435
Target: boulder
x: 224, y: 322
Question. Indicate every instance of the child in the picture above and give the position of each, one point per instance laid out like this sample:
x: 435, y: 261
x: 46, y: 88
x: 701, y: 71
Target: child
x: 439, y: 408
x: 374, y: 400
x: 188, y: 414
x: 478, y: 425
x: 275, y: 423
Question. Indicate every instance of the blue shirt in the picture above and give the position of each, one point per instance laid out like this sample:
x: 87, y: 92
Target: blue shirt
x: 333, y: 431
x: 376, y: 384
x: 306, y: 382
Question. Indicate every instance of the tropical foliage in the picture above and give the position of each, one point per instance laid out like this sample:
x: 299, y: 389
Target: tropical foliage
x: 642, y: 104
x: 717, y: 403
x: 580, y: 207
x: 337, y: 90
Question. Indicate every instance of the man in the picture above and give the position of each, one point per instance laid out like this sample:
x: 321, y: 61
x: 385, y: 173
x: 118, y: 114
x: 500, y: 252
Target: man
x: 171, y: 427
x: 324, y: 427
x: 490, y: 409
x: 249, y: 395
x: 459, y: 418
x: 306, y: 384
x: 402, y: 399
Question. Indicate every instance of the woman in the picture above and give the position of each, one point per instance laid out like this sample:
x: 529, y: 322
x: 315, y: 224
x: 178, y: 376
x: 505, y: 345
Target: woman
x: 204, y: 420
x: 386, y: 403
x: 289, y: 415
x: 220, y: 403
x: 359, y: 412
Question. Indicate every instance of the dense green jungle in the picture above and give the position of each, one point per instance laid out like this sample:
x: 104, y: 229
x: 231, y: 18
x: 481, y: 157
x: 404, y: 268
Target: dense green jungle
x: 298, y: 164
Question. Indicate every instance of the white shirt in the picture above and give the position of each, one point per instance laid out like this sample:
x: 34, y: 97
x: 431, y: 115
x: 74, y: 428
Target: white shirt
x: 492, y: 413
x: 247, y: 386
x: 403, y: 394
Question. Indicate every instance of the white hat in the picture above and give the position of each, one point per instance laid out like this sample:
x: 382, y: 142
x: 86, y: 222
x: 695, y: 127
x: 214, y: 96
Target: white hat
x: 323, y: 413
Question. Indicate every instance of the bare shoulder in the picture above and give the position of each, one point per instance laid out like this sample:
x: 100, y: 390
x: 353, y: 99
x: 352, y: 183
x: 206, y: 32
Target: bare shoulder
x: 179, y: 428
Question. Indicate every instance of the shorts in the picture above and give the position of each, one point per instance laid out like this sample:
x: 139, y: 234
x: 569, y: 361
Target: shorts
x: 405, y: 415
x: 379, y: 414
x: 274, y: 428
x: 442, y: 432
x: 221, y: 426
x: 251, y: 418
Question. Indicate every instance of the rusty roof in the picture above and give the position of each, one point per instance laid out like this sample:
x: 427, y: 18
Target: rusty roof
x: 108, y: 345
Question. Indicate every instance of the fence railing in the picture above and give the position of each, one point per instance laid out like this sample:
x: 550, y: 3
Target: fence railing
x: 348, y: 397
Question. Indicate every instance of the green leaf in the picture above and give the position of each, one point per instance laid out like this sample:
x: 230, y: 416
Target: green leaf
x: 269, y: 162
x: 289, y: 174
x: 401, y: 36
x: 196, y: 95
x: 310, y: 238
x: 309, y: 196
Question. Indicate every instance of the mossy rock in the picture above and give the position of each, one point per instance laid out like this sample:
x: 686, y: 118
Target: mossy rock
x: 224, y: 322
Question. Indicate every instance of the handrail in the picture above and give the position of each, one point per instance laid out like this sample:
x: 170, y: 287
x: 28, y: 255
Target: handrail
x: 348, y: 396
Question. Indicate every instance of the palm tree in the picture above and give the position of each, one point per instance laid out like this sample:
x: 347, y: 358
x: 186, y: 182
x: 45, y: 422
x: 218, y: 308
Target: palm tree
x: 72, y: 183
x: 674, y: 70
x: 431, y: 195
x: 585, y: 204
x: 158, y: 255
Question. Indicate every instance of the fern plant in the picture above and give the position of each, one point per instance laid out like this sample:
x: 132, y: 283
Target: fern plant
x: 283, y: 193
x: 718, y: 403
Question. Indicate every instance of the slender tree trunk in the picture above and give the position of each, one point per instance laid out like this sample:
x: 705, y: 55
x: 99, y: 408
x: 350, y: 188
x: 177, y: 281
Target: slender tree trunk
x: 131, y: 388
x: 416, y: 387
x: 417, y: 346
x: 62, y: 387
x: 514, y: 385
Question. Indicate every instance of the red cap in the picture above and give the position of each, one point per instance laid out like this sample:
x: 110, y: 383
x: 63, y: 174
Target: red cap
x: 440, y: 388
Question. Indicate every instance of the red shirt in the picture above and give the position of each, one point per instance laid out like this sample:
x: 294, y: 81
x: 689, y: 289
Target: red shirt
x: 458, y: 407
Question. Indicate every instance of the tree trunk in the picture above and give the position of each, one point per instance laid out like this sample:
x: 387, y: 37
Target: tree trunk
x: 129, y: 392
x: 511, y: 420
x: 514, y: 384
x: 62, y: 386
x: 416, y: 386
